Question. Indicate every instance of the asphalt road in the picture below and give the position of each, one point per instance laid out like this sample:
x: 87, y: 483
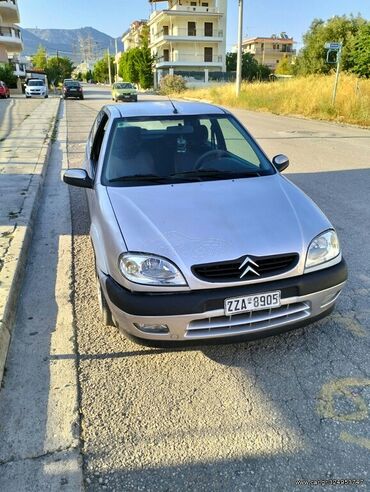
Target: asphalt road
x: 253, y: 416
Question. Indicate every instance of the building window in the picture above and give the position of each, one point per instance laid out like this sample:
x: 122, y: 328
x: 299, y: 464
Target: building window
x: 208, y: 28
x: 204, y: 4
x: 166, y: 55
x: 262, y: 46
x: 208, y: 54
x: 192, y: 31
x: 193, y: 4
x: 165, y: 30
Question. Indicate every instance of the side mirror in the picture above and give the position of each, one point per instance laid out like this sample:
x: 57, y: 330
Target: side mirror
x: 281, y: 162
x: 78, y: 177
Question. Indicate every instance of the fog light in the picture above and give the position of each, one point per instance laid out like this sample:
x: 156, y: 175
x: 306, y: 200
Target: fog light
x: 160, y: 329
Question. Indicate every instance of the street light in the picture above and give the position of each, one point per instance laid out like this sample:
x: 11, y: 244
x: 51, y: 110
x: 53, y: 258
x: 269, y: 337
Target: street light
x: 240, y: 53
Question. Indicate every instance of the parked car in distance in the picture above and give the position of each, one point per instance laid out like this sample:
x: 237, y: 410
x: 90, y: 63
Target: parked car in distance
x: 72, y: 89
x: 124, y: 91
x: 36, y: 88
x: 4, y: 90
x: 196, y: 233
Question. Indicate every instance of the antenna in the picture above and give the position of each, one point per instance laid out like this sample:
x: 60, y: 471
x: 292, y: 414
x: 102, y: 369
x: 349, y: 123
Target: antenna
x: 175, y: 111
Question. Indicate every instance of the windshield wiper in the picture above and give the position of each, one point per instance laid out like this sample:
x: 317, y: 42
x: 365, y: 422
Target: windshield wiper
x: 139, y: 177
x: 214, y: 173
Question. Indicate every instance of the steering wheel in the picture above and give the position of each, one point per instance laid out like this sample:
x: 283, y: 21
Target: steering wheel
x: 215, y: 152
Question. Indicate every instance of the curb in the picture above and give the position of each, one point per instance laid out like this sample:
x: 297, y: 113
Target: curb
x: 13, y: 270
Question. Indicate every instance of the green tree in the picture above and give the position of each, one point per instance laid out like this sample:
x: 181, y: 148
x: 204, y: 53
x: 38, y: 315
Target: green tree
x: 101, y: 72
x: 136, y: 64
x: 39, y: 59
x: 359, y: 52
x: 285, y: 66
x: 251, y: 69
x: 344, y: 29
x: 7, y: 75
x: 59, y: 68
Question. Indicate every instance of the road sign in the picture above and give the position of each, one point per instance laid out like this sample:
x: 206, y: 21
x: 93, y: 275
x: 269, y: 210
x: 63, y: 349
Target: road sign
x: 333, y: 46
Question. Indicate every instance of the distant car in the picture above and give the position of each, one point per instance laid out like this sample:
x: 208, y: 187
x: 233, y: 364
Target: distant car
x: 196, y: 233
x: 72, y: 89
x: 4, y: 90
x: 36, y: 88
x: 124, y: 91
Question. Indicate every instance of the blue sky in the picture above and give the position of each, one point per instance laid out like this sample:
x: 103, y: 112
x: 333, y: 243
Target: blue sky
x: 262, y: 17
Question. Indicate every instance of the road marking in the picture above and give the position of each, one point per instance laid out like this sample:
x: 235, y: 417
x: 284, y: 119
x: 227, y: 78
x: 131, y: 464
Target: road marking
x: 351, y: 324
x: 364, y: 442
x: 343, y: 387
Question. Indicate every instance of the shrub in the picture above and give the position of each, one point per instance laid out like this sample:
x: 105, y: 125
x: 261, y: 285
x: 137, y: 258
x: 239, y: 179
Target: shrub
x: 172, y: 84
x: 7, y: 75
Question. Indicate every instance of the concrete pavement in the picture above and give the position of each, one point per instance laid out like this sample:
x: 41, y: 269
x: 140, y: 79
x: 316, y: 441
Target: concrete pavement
x: 39, y: 410
x: 26, y: 130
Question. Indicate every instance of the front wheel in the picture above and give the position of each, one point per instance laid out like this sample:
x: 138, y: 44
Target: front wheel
x: 46, y: 96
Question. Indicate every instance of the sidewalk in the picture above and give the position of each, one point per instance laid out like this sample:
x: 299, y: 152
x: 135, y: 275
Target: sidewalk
x: 23, y: 157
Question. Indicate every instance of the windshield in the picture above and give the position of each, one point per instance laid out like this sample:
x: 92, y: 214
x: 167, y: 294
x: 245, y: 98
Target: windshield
x: 123, y: 86
x: 35, y: 83
x: 157, y: 150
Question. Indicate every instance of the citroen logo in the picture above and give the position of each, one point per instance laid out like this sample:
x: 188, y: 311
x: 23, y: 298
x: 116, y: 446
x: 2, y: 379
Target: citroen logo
x: 249, y: 268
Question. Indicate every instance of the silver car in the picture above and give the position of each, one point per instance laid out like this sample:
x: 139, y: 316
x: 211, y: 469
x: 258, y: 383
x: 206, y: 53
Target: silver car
x: 197, y: 235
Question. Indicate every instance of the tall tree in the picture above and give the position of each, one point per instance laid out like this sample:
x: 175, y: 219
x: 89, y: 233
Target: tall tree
x: 39, y: 59
x: 136, y: 64
x: 359, y: 52
x: 344, y: 29
x: 251, y: 69
x: 101, y: 71
x: 59, y: 68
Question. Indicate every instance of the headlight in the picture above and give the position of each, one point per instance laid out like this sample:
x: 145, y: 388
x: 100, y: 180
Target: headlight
x: 150, y: 270
x: 323, y: 248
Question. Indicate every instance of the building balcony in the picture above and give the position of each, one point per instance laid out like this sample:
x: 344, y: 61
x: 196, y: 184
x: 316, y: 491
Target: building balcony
x: 11, y: 39
x: 9, y: 11
x: 183, y: 34
x: 189, y: 60
x: 184, y: 10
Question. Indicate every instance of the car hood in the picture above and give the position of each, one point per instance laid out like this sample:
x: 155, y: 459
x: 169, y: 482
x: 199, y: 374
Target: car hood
x: 210, y: 221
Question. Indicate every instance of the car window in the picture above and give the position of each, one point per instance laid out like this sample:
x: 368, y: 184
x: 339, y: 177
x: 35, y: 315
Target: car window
x: 123, y: 86
x: 98, y: 137
x: 236, y: 143
x: 36, y: 83
x: 180, y: 148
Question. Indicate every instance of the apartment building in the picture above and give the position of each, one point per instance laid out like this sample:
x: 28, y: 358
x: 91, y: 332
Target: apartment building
x: 270, y: 50
x: 188, y: 36
x: 10, y: 35
x: 131, y: 38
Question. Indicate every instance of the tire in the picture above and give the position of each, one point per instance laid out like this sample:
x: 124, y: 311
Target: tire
x: 81, y: 98
x: 46, y: 96
x: 105, y: 312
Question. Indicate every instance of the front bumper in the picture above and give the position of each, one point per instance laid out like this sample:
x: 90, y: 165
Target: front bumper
x: 126, y: 97
x: 199, y: 315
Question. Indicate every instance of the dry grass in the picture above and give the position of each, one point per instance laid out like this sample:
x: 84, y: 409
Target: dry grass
x: 304, y: 96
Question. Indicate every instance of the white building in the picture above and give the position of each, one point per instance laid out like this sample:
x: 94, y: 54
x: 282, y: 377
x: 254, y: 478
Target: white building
x: 10, y: 35
x: 188, y: 36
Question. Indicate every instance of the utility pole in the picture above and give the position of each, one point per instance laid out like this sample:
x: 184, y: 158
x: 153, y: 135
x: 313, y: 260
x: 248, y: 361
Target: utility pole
x: 240, y: 52
x: 116, y: 64
x: 109, y: 67
x: 339, y: 54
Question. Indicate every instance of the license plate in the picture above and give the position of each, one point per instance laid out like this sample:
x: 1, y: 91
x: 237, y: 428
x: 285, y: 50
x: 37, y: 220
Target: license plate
x: 255, y: 302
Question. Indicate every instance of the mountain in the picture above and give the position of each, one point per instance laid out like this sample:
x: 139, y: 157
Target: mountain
x: 77, y: 44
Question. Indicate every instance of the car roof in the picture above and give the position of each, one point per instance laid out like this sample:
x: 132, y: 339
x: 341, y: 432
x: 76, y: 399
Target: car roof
x: 163, y: 108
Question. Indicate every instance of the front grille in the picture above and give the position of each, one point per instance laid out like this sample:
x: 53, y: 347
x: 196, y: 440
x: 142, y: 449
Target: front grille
x: 231, y: 271
x: 251, y: 322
